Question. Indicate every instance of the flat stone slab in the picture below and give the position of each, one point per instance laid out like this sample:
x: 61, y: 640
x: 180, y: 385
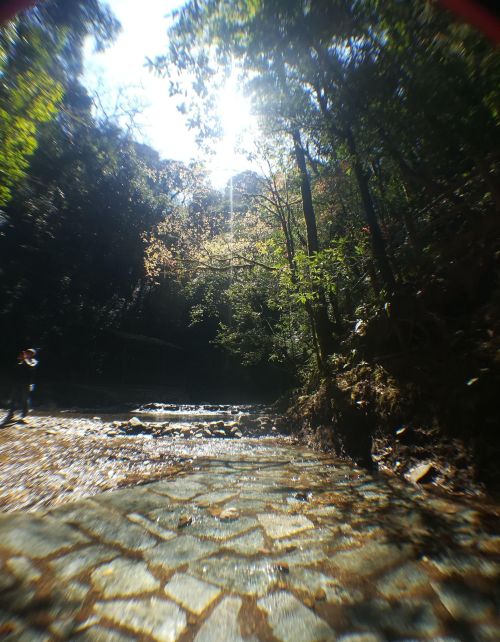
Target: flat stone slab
x: 176, y: 552
x: 131, y: 500
x: 80, y: 561
x: 290, y: 620
x: 122, y: 577
x: 36, y: 537
x: 220, y: 529
x: 23, y: 570
x: 248, y: 544
x: 236, y: 574
x: 151, y: 527
x: 161, y: 619
x: 313, y: 582
x: 215, y: 497
x: 278, y: 525
x: 171, y: 517
x: 101, y: 634
x: 462, y: 602
x: 223, y: 625
x: 317, y: 537
x: 303, y: 556
x: 368, y: 559
x: 406, y: 580
x: 180, y: 489
x: 110, y: 527
x: 192, y: 594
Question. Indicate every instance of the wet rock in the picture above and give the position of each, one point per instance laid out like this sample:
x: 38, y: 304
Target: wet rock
x: 291, y: 621
x: 192, y: 594
x: 403, y: 619
x: 73, y: 564
x: 151, y: 527
x: 181, y: 488
x: 161, y: 619
x: 365, y: 637
x: 490, y: 544
x: 215, y: 497
x: 100, y: 634
x: 461, y: 564
x: 277, y: 526
x: 236, y: 574
x: 214, y: 528
x: 369, y: 558
x: 463, y: 603
x: 329, y: 588
x: 229, y: 514
x: 23, y: 570
x: 223, y: 625
x: 123, y: 577
x: 248, y: 544
x: 109, y: 527
x: 406, y: 580
x: 176, y: 552
x: 246, y: 421
x: 421, y: 474
x: 129, y: 500
x: 184, y: 520
x: 35, y: 537
x: 300, y: 556
x: 7, y: 580
x: 76, y: 591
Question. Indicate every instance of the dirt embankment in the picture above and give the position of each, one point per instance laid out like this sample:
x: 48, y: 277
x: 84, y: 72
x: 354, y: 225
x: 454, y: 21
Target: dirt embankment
x: 366, y: 417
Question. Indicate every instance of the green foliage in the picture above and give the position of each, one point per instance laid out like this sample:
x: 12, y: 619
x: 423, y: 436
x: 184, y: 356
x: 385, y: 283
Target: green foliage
x: 40, y: 56
x: 28, y: 97
x: 379, y: 141
x: 394, y: 109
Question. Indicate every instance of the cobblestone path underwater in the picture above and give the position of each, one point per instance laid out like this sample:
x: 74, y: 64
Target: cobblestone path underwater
x: 266, y: 541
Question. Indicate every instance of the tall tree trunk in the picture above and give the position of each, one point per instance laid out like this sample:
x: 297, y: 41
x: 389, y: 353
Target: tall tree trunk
x: 378, y: 242
x: 324, y: 328
x: 305, y: 190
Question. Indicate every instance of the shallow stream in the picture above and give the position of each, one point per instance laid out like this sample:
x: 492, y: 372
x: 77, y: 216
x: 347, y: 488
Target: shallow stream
x: 239, y: 540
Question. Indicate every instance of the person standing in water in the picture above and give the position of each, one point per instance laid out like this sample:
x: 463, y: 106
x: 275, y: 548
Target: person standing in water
x: 23, y: 384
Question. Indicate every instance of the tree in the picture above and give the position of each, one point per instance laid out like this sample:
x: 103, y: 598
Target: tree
x: 40, y: 57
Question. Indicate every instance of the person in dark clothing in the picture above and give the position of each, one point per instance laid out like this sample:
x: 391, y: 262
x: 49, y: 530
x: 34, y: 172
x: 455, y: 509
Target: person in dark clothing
x: 23, y: 385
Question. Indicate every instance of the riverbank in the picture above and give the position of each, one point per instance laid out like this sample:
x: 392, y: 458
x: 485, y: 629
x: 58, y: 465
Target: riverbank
x: 367, y: 416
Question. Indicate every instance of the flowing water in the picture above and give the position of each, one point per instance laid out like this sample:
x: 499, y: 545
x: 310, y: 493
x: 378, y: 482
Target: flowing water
x: 242, y: 539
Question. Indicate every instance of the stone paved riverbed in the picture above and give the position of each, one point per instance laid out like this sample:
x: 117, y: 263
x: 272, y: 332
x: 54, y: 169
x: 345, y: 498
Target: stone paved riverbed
x: 258, y: 540
x: 70, y: 455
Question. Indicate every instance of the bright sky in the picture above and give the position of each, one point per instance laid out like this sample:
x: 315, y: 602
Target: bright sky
x: 121, y: 69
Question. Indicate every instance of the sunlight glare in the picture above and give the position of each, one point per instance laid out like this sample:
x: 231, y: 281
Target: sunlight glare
x: 238, y: 127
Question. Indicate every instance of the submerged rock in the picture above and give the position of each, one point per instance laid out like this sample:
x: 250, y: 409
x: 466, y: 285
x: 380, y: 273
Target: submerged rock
x: 421, y: 474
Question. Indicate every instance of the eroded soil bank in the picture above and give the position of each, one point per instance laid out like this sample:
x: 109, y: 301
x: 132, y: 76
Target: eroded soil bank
x: 370, y: 418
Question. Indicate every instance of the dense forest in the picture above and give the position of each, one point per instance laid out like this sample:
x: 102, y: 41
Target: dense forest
x: 356, y: 272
